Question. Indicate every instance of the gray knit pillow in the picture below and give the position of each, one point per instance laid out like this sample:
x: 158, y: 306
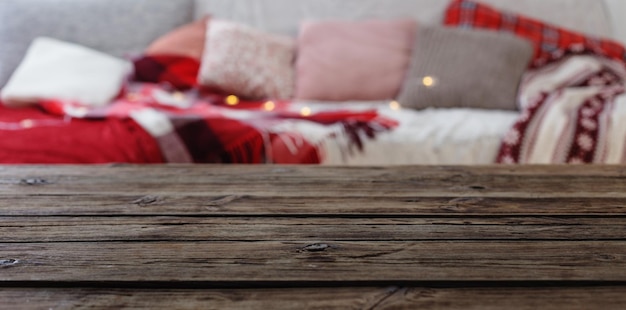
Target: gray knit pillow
x: 454, y: 68
x: 115, y: 27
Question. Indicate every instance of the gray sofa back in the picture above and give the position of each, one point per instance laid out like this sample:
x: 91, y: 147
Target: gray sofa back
x: 113, y: 26
x: 284, y: 16
x: 119, y: 27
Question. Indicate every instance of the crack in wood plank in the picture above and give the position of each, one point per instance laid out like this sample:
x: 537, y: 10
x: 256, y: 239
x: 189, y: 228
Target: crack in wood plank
x: 147, y: 200
x: 224, y: 200
x: 376, y: 255
x: 462, y: 204
x: 391, y: 291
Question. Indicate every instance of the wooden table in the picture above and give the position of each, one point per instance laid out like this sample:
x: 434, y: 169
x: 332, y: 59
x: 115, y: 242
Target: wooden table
x: 274, y: 237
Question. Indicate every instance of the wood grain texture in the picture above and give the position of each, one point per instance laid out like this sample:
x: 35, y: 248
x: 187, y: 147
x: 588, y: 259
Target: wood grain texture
x: 506, y: 298
x: 308, y: 237
x: 203, y: 204
x: 103, y: 229
x: 305, y: 262
x: 319, y: 298
x: 314, y: 182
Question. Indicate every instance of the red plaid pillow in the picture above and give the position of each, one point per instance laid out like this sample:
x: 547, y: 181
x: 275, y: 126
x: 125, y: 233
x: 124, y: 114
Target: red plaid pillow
x: 179, y: 72
x: 546, y: 38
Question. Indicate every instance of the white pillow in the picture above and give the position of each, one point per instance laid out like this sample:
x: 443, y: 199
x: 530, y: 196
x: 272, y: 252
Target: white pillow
x: 54, y: 69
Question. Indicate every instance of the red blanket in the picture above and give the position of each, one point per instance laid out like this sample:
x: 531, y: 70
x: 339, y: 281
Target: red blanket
x: 207, y: 128
x: 30, y: 135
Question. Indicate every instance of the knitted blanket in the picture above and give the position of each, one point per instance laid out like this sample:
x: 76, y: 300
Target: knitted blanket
x: 573, y: 111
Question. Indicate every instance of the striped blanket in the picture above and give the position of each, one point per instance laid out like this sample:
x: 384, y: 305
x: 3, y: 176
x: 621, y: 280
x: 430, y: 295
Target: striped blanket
x: 573, y: 111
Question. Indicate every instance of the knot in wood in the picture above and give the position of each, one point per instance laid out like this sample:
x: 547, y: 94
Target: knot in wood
x: 315, y: 247
x: 8, y: 262
x: 146, y: 201
x: 607, y: 257
x: 477, y: 187
x: 34, y: 182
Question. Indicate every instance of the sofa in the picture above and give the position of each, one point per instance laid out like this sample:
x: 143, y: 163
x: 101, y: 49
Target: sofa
x: 350, y: 82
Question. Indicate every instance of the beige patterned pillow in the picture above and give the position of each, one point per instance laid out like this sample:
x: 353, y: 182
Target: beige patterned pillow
x: 246, y: 62
x: 454, y: 68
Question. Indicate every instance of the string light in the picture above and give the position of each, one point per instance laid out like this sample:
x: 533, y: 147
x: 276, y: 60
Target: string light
x: 394, y: 105
x: 429, y: 81
x: 232, y: 100
x: 306, y: 111
x: 30, y: 124
x: 79, y: 112
x: 27, y: 123
x: 178, y: 96
x: 133, y: 97
x: 269, y: 106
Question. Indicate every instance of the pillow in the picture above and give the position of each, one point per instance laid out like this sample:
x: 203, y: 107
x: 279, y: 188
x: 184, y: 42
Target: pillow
x: 453, y: 68
x: 353, y: 60
x: 174, y: 58
x: 546, y: 38
x: 187, y: 41
x: 178, y: 72
x: 54, y: 69
x: 243, y: 61
x: 115, y: 27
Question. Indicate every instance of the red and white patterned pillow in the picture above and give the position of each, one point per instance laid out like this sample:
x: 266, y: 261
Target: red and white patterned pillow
x: 246, y: 62
x: 174, y: 58
x: 178, y: 72
x: 545, y: 37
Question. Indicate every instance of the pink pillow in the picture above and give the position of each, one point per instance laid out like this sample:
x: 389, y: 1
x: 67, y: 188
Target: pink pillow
x: 353, y: 60
x: 187, y: 40
x: 246, y: 62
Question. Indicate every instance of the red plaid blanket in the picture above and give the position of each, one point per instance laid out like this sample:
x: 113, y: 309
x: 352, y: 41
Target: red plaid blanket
x: 546, y: 38
x: 207, y: 128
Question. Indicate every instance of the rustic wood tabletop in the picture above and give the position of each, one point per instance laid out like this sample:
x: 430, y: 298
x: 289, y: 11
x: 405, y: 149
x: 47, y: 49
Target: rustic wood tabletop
x: 276, y: 237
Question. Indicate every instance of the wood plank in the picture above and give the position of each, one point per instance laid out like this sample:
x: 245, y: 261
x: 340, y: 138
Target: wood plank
x: 196, y: 170
x: 102, y: 229
x: 319, y: 181
x: 36, y: 204
x: 506, y: 298
x: 549, y: 298
x: 318, y: 298
x: 301, y: 262
x: 482, y: 235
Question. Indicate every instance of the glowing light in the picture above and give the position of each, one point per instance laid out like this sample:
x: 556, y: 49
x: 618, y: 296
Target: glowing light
x: 429, y: 81
x: 27, y: 123
x: 306, y: 111
x: 133, y: 97
x: 178, y: 96
x: 269, y: 106
x: 394, y: 105
x: 232, y: 100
